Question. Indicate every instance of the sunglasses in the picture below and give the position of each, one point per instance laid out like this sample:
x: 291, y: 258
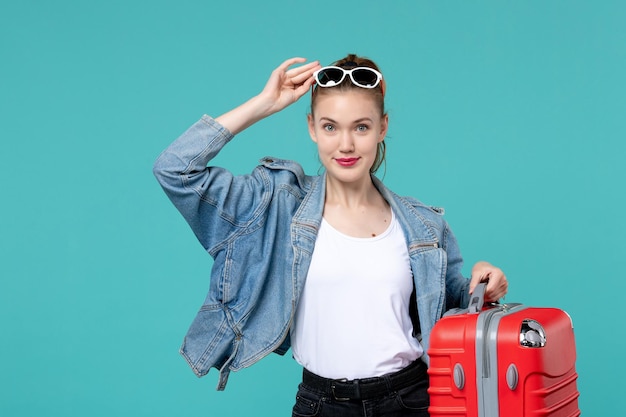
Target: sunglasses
x: 364, y: 77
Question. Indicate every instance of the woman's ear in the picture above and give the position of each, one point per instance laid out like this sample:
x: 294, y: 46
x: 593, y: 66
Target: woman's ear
x: 311, y: 124
x: 384, y: 125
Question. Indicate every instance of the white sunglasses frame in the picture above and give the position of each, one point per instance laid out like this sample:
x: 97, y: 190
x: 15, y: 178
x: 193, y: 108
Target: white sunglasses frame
x: 348, y: 72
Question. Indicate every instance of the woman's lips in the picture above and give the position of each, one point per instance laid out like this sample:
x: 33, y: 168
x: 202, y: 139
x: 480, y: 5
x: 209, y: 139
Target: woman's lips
x: 346, y: 162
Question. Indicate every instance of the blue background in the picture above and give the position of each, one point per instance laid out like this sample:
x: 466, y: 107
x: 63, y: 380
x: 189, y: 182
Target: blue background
x: 510, y: 114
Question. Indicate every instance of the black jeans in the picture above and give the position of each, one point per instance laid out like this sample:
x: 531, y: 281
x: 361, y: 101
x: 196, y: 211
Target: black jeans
x: 388, y: 398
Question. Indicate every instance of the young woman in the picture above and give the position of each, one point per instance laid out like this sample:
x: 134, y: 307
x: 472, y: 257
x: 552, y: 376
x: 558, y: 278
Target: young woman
x: 350, y: 275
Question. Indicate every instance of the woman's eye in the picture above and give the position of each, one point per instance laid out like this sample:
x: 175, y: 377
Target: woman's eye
x: 329, y: 128
x: 362, y: 128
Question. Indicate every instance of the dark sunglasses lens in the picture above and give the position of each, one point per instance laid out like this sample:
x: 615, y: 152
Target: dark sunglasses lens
x: 329, y: 76
x: 365, y: 77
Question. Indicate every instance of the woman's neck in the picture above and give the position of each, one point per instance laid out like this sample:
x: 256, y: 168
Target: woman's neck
x: 357, y: 210
x: 351, y: 195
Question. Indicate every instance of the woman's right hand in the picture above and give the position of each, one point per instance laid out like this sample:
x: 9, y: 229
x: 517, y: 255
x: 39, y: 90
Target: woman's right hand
x: 285, y: 86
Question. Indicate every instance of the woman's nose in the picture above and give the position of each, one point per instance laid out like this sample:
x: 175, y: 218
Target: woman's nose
x: 346, y: 143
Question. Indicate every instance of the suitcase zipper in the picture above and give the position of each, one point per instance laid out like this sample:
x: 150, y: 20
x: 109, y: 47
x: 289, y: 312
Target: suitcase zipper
x: 486, y: 347
x: 486, y: 351
x: 490, y: 337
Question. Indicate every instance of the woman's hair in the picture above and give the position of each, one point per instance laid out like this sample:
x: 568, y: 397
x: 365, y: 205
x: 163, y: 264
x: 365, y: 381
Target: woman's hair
x: 349, y: 62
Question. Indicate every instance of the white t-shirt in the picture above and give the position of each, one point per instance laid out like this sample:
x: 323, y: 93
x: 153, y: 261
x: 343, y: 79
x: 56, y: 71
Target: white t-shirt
x: 353, y: 320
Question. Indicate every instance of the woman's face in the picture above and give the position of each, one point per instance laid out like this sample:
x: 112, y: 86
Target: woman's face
x: 347, y: 127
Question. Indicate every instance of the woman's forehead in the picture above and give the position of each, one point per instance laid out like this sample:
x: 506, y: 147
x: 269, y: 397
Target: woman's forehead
x: 350, y: 102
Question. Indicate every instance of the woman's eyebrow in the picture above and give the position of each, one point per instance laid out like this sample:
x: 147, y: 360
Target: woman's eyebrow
x: 362, y: 119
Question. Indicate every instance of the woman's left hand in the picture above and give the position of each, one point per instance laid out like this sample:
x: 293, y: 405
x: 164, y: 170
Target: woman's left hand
x: 497, y: 283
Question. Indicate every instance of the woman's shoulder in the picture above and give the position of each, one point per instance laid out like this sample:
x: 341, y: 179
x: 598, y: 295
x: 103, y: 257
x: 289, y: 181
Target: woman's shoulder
x: 418, y: 205
x: 287, y: 171
x: 431, y: 216
x: 410, y: 202
x: 413, y: 213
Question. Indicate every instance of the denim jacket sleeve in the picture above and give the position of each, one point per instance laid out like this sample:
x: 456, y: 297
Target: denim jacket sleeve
x: 457, y: 286
x: 213, y: 201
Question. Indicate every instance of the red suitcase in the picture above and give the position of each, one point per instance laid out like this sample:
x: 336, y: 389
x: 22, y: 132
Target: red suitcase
x: 504, y: 360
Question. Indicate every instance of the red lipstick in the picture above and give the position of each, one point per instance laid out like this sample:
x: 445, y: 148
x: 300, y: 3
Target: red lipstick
x: 346, y: 162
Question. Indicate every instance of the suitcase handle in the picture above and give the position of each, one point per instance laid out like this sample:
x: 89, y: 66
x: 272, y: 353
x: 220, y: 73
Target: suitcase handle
x: 476, y: 303
x: 477, y: 299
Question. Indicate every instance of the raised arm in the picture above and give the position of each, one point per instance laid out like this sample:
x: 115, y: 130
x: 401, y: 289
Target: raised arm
x: 213, y: 201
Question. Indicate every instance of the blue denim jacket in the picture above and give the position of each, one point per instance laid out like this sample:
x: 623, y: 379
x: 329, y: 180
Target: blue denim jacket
x: 260, y: 230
